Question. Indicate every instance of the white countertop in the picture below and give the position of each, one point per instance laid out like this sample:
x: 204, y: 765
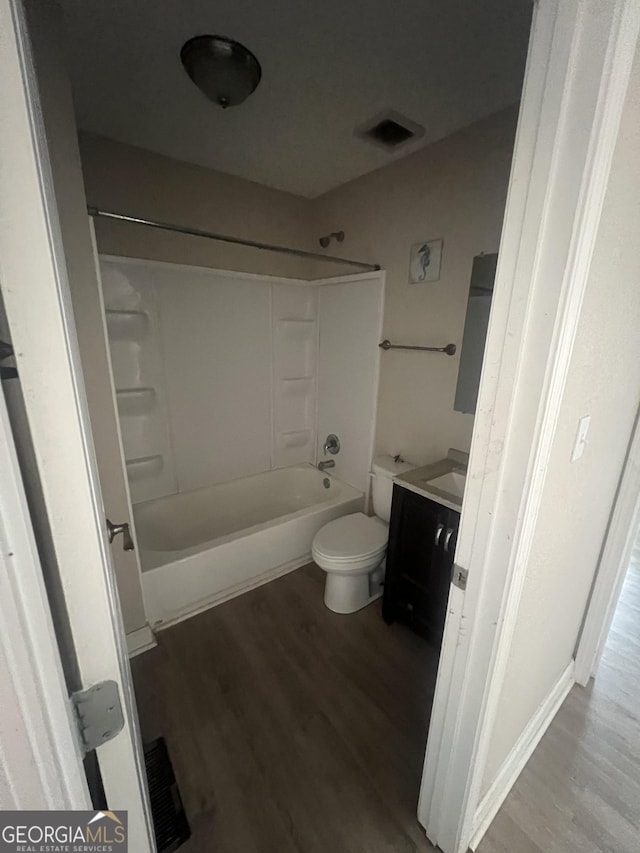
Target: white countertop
x: 417, y: 479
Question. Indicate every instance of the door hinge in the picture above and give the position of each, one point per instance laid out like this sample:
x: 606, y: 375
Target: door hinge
x: 459, y: 576
x: 98, y: 712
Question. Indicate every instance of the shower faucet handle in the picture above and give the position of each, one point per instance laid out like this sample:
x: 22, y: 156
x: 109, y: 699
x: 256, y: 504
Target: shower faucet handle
x: 114, y: 530
x: 331, y: 444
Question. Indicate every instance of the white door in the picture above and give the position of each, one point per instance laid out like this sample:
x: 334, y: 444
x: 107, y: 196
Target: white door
x: 35, y: 771
x: 35, y: 290
x: 46, y: 35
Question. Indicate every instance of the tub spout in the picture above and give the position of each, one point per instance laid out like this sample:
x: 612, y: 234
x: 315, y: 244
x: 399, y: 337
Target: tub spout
x: 326, y: 463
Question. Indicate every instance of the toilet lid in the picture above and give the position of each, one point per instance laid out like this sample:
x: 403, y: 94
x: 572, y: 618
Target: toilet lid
x: 351, y: 536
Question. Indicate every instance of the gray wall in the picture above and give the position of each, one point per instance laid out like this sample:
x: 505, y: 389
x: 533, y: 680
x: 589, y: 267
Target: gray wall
x: 456, y: 190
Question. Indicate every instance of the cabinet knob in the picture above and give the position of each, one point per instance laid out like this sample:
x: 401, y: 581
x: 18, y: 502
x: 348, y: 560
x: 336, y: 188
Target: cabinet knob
x: 439, y: 530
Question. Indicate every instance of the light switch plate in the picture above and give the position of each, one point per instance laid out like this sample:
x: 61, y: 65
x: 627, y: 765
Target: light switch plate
x: 581, y: 437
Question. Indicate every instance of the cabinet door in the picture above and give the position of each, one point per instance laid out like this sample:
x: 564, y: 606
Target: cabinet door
x: 414, y: 560
x: 442, y: 575
x: 391, y: 609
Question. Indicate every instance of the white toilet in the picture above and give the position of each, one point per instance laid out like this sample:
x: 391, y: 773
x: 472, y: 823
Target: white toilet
x: 351, y: 549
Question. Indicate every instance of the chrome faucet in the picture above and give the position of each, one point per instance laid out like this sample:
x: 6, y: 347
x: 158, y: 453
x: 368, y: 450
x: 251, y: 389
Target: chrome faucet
x: 331, y: 444
x: 326, y: 463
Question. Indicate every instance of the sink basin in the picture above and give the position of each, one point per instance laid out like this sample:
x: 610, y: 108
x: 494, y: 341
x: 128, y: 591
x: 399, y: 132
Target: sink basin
x: 451, y: 483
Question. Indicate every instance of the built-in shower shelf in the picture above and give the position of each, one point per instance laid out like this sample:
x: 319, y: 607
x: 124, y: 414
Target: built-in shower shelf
x: 301, y: 387
x: 127, y: 325
x: 135, y: 401
x: 144, y: 466
x: 297, y: 330
x: 297, y: 438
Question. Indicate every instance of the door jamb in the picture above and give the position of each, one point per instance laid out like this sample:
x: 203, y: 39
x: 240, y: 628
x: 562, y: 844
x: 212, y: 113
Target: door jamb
x: 613, y: 564
x: 496, y: 529
x: 34, y: 273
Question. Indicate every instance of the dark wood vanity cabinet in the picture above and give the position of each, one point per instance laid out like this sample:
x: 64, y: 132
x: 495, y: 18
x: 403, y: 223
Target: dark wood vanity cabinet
x: 422, y: 539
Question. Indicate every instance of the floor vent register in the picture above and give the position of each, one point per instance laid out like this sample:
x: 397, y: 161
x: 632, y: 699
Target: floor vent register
x: 169, y: 819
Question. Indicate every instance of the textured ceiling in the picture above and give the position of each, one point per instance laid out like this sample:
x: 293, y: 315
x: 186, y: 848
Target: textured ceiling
x: 328, y: 67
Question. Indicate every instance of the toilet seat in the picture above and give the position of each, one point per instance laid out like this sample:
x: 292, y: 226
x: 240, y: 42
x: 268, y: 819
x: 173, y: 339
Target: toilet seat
x: 351, y: 550
x: 350, y: 543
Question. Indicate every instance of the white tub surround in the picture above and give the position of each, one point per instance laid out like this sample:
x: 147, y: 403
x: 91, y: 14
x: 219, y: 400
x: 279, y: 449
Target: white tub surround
x: 202, y: 547
x: 217, y: 379
x: 350, y: 327
x: 294, y: 344
x: 133, y: 327
x: 221, y: 375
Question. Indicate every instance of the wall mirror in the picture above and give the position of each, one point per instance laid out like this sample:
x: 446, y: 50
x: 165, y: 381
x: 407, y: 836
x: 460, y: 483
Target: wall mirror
x: 476, y: 323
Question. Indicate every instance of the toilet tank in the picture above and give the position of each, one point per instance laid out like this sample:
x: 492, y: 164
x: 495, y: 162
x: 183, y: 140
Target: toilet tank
x: 383, y: 469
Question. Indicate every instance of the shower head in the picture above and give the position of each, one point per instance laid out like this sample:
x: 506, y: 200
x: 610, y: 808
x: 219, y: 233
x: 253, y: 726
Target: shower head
x: 335, y: 235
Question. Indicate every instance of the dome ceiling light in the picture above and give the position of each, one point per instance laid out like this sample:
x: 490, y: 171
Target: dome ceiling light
x: 225, y: 70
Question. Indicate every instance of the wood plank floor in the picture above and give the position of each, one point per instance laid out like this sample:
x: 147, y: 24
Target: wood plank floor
x: 580, y: 791
x: 292, y: 728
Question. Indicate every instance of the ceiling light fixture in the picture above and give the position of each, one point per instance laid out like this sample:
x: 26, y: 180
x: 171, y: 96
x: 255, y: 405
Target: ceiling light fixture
x: 225, y: 70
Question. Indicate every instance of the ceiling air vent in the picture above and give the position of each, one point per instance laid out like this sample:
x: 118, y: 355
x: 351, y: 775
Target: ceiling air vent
x: 390, y: 130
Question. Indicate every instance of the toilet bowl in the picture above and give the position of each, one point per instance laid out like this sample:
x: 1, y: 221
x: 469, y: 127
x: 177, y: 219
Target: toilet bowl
x: 352, y: 549
x: 349, y: 549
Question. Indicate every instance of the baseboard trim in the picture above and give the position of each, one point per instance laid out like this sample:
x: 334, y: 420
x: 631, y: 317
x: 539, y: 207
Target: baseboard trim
x: 519, y: 755
x: 140, y: 641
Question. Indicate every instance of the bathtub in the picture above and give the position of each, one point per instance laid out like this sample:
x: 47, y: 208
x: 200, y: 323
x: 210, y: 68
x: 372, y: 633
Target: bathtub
x: 202, y: 547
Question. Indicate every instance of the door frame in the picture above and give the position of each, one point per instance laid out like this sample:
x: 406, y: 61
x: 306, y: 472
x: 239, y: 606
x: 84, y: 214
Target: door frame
x: 505, y: 459
x: 580, y: 58
x: 37, y: 302
x: 39, y: 751
x: 623, y: 529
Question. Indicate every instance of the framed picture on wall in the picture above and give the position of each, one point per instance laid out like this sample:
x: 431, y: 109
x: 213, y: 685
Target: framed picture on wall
x: 425, y: 261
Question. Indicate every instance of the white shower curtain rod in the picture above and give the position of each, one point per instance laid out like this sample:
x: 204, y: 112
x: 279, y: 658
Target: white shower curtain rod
x: 97, y: 213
